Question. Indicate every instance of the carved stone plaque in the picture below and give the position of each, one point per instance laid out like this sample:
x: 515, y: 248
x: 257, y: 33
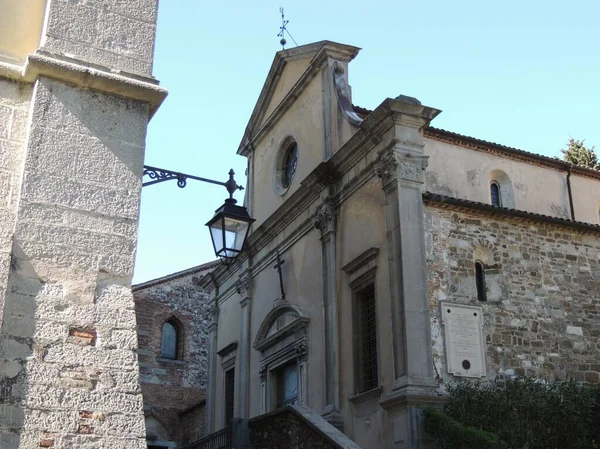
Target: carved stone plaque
x: 463, y: 337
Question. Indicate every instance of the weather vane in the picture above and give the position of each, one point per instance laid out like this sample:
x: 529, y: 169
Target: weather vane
x: 283, y: 29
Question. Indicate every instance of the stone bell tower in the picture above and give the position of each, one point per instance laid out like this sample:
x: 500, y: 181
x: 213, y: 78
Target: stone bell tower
x: 76, y: 95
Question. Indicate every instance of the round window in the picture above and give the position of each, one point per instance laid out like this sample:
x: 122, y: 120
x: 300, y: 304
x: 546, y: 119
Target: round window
x: 287, y: 161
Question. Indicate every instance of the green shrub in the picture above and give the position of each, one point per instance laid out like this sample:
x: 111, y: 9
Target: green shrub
x: 529, y: 414
x: 450, y: 434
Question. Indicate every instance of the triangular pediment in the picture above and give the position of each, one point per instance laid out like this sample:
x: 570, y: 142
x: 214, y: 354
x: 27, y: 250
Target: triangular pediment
x: 290, y: 73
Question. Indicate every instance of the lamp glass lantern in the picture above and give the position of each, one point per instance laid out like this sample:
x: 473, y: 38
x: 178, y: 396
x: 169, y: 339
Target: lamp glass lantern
x: 229, y: 229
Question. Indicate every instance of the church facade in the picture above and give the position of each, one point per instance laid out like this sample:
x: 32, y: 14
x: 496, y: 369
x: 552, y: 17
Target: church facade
x: 389, y: 257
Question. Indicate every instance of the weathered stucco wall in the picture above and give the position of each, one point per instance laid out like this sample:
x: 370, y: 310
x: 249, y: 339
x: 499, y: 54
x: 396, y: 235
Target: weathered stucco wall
x: 308, y: 134
x: 302, y: 261
x: 362, y: 215
x: 541, y: 317
x: 292, y: 72
x: 465, y: 173
x: 20, y: 28
x: 170, y: 387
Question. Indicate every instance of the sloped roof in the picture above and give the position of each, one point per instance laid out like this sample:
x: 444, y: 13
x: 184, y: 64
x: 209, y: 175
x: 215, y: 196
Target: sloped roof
x: 502, y: 150
x: 448, y: 201
x: 199, y: 271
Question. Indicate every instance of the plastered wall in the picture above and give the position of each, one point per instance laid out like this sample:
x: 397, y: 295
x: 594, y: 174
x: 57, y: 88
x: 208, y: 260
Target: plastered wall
x: 21, y: 25
x: 465, y: 173
x: 308, y: 134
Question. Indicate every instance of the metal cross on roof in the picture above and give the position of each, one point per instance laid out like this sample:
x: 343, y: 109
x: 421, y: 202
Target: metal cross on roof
x: 277, y: 266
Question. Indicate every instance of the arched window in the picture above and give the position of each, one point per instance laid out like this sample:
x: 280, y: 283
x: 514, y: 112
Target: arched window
x: 480, y: 281
x: 495, y: 194
x: 501, y: 190
x: 170, y: 341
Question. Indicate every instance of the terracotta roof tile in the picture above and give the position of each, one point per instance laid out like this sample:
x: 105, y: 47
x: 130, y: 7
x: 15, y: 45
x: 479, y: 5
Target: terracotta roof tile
x: 494, y: 210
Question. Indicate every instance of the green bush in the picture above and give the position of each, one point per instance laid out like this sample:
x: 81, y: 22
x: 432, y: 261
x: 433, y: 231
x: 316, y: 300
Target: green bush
x: 527, y: 414
x: 450, y: 434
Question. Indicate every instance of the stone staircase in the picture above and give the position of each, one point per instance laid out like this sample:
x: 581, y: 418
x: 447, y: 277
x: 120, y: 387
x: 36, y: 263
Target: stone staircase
x: 290, y: 427
x: 296, y: 427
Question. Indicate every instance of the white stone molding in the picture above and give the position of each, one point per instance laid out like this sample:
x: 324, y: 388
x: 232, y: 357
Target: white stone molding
x: 228, y: 355
x: 361, y: 264
x: 271, y: 331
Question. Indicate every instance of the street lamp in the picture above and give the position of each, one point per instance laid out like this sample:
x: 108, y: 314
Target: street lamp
x: 231, y: 223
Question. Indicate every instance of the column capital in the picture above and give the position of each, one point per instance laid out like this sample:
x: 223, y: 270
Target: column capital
x: 243, y: 286
x: 213, y: 314
x: 394, y: 165
x: 325, y: 217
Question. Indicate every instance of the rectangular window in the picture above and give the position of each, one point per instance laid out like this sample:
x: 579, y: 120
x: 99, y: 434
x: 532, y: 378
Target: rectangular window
x: 287, y: 385
x: 229, y: 395
x: 366, y: 349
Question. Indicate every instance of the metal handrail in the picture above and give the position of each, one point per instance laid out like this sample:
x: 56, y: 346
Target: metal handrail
x: 221, y: 439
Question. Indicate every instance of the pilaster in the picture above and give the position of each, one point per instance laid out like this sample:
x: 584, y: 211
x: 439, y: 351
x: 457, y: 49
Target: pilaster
x: 401, y: 168
x: 244, y: 289
x: 325, y: 221
x: 213, y: 327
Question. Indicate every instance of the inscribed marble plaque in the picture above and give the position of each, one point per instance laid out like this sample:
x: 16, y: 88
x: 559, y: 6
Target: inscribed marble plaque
x: 463, y: 335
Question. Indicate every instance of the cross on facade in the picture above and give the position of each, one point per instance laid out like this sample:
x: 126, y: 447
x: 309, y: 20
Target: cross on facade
x: 277, y: 267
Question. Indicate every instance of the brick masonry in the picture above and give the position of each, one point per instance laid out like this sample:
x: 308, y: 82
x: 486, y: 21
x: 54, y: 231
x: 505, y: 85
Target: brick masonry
x: 543, y: 283
x: 174, y: 390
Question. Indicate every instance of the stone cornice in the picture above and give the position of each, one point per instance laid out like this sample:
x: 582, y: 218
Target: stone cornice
x: 361, y: 260
x: 446, y: 202
x: 85, y: 75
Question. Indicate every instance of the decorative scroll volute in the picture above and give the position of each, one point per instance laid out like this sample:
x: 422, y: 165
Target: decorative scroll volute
x: 325, y: 218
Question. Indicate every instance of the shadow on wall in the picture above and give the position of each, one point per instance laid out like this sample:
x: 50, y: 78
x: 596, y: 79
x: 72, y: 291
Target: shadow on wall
x: 19, y: 354
x: 68, y: 343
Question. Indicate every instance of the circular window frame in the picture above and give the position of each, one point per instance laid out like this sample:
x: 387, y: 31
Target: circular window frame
x: 287, y: 145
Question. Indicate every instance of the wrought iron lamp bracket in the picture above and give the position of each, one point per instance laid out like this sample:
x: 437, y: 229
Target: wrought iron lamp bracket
x: 158, y: 175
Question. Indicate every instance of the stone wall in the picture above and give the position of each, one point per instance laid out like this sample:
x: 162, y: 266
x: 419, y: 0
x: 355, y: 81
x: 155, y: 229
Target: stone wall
x: 174, y: 390
x: 14, y: 106
x: 111, y: 33
x: 296, y: 427
x: 191, y: 424
x: 542, y: 312
x: 69, y: 363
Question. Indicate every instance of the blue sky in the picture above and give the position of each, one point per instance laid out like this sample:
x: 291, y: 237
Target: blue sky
x: 521, y: 73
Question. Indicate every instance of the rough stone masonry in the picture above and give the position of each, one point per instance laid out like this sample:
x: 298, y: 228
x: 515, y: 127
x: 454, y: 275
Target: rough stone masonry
x: 73, y: 119
x: 542, y: 309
